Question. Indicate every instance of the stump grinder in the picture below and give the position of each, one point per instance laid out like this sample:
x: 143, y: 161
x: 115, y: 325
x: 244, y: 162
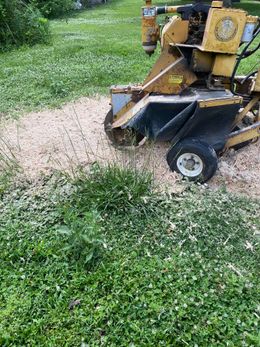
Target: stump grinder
x: 193, y: 97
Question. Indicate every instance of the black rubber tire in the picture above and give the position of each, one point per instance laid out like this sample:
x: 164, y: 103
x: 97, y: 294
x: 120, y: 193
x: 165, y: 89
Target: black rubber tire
x: 203, y: 150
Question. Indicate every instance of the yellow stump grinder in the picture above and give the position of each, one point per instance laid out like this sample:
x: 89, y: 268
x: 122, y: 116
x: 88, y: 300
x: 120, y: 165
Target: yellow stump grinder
x: 192, y: 97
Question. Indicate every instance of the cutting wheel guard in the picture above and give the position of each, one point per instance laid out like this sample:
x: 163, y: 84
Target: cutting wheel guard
x: 208, y: 119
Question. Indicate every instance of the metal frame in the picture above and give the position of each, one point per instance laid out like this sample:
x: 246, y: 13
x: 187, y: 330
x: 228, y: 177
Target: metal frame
x: 248, y: 133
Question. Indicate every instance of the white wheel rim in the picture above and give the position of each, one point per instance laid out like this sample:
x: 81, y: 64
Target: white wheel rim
x: 190, y: 165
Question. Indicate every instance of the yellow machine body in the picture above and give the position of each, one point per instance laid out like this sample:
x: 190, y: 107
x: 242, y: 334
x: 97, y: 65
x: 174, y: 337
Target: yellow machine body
x: 199, y: 49
x: 216, y: 54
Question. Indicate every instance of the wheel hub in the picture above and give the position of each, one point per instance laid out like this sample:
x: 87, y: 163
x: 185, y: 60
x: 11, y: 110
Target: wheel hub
x: 190, y: 164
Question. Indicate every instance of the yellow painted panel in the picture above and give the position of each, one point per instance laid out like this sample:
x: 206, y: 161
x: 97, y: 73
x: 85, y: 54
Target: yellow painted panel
x: 202, y: 61
x: 166, y: 58
x: 220, y: 102
x: 178, y: 72
x: 176, y: 31
x: 217, y: 4
x: 224, y: 29
x: 224, y: 65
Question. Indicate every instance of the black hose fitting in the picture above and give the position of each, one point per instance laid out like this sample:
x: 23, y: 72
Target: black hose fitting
x: 161, y: 10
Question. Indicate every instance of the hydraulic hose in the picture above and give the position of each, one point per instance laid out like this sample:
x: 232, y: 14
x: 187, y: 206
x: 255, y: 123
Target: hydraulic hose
x: 244, y: 54
x: 248, y: 76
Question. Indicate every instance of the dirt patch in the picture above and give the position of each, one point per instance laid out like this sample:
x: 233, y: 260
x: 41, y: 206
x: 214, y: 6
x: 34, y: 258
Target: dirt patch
x: 73, y: 135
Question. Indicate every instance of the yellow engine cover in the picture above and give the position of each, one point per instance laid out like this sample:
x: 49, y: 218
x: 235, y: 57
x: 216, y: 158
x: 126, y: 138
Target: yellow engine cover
x: 224, y: 29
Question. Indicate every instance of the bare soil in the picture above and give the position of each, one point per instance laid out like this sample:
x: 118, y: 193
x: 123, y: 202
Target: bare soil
x: 73, y: 135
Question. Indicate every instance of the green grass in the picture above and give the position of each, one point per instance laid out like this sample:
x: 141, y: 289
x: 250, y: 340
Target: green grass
x: 163, y: 270
x: 9, y: 166
x: 104, y: 259
x: 93, y: 50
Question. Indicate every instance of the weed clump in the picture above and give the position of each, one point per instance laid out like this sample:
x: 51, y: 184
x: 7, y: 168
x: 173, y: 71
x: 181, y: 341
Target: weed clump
x: 104, y: 190
x: 81, y: 237
x: 111, y: 189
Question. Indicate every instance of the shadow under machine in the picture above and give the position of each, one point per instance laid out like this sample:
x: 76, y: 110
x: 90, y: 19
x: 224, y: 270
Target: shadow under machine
x: 192, y: 97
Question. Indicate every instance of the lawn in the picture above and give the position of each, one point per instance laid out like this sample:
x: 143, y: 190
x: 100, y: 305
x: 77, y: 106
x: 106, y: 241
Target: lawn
x: 105, y: 260
x: 88, y: 53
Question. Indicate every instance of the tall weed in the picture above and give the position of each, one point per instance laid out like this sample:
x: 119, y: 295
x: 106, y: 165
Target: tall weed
x: 111, y: 188
x: 80, y: 236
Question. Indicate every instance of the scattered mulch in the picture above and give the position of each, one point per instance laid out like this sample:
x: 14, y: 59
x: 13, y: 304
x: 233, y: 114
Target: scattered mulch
x: 73, y: 135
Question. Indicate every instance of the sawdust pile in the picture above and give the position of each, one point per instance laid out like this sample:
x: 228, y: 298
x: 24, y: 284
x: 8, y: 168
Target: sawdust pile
x: 73, y: 135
